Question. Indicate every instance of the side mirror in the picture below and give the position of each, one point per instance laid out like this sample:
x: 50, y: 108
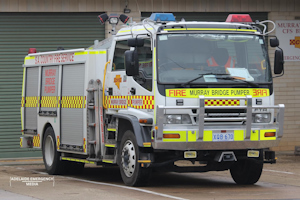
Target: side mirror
x: 131, y: 63
x: 274, y: 42
x: 278, y: 61
x: 135, y: 42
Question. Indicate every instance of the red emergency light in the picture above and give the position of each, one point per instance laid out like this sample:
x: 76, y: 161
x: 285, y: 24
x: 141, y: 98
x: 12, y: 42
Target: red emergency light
x: 239, y: 18
x: 32, y: 50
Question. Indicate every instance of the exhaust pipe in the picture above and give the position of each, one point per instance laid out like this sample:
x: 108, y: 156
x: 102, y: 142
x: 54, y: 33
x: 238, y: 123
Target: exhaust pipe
x: 225, y: 156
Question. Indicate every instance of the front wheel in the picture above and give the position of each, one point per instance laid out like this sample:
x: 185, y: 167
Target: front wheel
x: 246, y: 171
x: 131, y: 171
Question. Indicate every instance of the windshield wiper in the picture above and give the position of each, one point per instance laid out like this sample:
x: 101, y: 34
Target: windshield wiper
x: 237, y: 79
x: 200, y: 76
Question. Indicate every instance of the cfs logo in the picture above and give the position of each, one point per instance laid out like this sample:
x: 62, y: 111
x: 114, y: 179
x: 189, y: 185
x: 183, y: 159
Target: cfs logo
x: 296, y: 42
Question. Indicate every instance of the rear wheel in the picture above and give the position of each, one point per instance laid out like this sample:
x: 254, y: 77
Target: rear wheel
x: 247, y: 171
x: 51, y: 157
x: 131, y: 171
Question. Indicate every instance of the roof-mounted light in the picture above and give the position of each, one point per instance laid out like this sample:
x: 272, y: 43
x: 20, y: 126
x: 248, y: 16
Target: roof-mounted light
x: 164, y: 17
x: 239, y: 18
x: 113, y: 19
x: 31, y: 50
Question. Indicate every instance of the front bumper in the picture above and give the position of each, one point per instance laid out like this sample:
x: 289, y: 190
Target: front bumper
x: 201, y: 136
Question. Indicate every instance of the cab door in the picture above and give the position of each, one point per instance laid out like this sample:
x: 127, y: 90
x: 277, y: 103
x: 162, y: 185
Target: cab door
x: 141, y: 86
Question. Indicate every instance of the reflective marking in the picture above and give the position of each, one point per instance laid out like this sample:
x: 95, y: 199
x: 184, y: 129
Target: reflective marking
x: 97, y: 52
x: 107, y: 161
x: 147, y: 144
x: 207, y: 135
x: 239, y: 135
x: 81, y: 53
x: 112, y: 129
x: 144, y: 161
x: 78, y: 160
x: 28, y: 58
x: 209, y: 29
x: 254, y: 135
x: 36, y: 141
x: 142, y: 29
x: 110, y: 145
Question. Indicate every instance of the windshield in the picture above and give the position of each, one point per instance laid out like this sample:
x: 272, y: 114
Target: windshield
x: 184, y: 57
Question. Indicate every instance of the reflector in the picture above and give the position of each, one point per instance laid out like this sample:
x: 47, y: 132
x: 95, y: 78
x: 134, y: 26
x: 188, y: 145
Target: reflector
x: 175, y: 135
x: 269, y: 134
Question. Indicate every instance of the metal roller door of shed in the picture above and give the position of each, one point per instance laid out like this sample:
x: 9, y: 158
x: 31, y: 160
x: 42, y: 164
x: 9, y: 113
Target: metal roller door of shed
x: 45, y: 32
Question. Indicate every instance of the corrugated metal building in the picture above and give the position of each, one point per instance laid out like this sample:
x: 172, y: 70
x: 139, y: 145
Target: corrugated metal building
x: 49, y: 24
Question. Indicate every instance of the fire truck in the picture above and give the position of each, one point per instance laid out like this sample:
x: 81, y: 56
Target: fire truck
x: 158, y: 95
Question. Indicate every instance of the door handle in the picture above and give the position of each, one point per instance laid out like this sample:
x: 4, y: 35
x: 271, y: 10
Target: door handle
x: 132, y: 91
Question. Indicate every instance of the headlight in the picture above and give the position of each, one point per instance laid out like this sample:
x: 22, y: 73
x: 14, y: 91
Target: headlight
x: 177, y: 119
x: 261, y: 118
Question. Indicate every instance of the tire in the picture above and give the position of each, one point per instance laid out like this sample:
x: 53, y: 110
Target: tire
x: 247, y: 171
x: 131, y: 171
x: 51, y: 157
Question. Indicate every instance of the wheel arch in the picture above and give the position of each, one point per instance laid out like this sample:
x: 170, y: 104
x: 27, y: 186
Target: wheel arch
x: 129, y: 122
x: 43, y: 133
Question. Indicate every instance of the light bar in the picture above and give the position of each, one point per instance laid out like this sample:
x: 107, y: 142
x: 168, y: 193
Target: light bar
x: 239, y: 18
x: 162, y: 17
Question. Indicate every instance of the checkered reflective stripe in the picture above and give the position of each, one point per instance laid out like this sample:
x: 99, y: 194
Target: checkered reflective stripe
x: 49, y: 102
x: 222, y: 102
x: 29, y: 102
x: 73, y: 102
x: 37, y: 141
x: 54, y: 102
x: 21, y: 142
x: 147, y: 102
x: 138, y: 102
x: 110, y: 101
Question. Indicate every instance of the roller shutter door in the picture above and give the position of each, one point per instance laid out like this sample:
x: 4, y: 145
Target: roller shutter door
x: 45, y: 32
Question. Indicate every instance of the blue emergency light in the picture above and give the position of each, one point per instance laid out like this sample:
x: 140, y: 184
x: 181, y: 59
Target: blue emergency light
x: 162, y: 17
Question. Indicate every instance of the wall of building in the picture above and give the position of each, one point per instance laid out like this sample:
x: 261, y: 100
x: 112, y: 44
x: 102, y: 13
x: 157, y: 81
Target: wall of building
x: 286, y: 88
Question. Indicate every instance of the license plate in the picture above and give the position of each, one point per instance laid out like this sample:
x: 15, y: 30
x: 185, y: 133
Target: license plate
x: 218, y: 137
x: 190, y: 154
